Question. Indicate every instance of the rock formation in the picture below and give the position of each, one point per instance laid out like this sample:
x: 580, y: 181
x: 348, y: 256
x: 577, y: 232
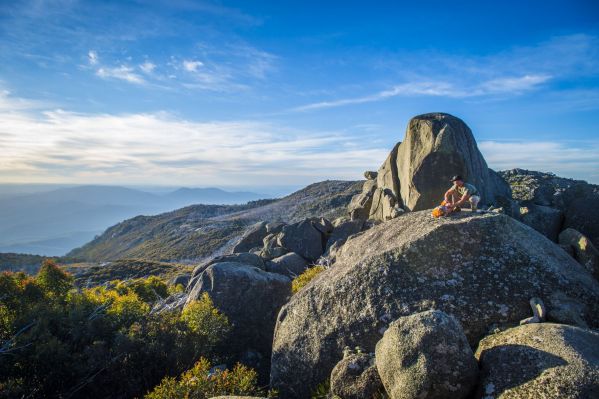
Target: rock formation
x: 539, y: 361
x: 250, y: 298
x: 417, y: 171
x: 582, y: 248
x: 482, y: 269
x: 544, y: 219
x: 577, y: 200
x: 356, y: 377
x: 290, y: 265
x: 251, y: 238
x: 426, y: 355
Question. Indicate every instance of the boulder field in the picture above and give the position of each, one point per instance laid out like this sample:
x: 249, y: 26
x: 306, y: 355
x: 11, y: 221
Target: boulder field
x: 481, y: 269
x: 416, y: 295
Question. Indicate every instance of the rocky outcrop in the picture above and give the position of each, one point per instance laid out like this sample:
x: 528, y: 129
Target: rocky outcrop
x: 482, y: 269
x: 243, y: 258
x: 539, y: 361
x: 426, y: 355
x: 576, y: 199
x: 290, y: 265
x: 251, y: 238
x: 343, y: 229
x: 356, y: 377
x: 544, y: 219
x: 546, y: 189
x: 583, y: 250
x: 583, y: 215
x: 360, y: 206
x: 417, y: 171
x: 250, y: 298
x: 302, y: 238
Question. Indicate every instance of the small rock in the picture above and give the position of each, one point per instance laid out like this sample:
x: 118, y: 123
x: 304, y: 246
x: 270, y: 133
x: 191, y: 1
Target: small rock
x: 370, y: 175
x: 290, y: 265
x: 583, y: 249
x: 356, y: 377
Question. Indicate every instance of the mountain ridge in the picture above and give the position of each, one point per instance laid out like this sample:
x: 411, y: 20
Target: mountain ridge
x: 192, y: 233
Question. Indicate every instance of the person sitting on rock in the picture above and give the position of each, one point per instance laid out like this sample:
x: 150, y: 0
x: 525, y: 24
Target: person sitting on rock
x: 463, y: 191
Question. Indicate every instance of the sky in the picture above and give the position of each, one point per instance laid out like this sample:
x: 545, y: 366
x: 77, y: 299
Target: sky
x: 255, y: 94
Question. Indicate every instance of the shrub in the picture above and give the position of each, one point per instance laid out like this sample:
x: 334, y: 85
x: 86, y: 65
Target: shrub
x: 200, y: 383
x: 57, y: 341
x: 303, y: 279
x: 53, y: 280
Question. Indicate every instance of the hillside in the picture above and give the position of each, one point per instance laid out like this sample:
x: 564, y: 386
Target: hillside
x: 192, y: 233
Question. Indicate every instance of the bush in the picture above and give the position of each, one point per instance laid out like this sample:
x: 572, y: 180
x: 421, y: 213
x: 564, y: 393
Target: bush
x: 303, y: 279
x: 53, y: 280
x: 200, y: 383
x: 57, y: 341
x: 204, y: 320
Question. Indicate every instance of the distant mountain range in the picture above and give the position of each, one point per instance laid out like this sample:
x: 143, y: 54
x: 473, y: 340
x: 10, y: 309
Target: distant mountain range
x: 46, y: 220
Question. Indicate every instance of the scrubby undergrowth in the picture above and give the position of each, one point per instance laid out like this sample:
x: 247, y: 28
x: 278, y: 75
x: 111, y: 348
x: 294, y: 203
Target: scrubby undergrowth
x: 60, y: 341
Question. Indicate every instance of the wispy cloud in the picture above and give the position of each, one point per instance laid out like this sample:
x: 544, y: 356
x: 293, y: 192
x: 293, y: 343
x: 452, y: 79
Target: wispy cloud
x: 159, y: 148
x: 147, y: 67
x: 505, y: 74
x: 191, y: 66
x: 92, y: 57
x: 122, y: 72
x: 512, y: 85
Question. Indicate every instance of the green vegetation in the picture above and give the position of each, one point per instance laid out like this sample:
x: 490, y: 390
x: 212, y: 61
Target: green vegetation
x: 59, y: 341
x: 93, y: 274
x: 303, y: 279
x: 200, y: 383
x: 322, y: 391
x: 20, y: 262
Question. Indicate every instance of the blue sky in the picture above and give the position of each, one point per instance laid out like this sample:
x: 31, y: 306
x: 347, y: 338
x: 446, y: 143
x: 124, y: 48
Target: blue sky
x: 270, y: 93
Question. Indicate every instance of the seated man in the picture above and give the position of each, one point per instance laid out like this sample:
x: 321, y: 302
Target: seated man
x: 463, y: 191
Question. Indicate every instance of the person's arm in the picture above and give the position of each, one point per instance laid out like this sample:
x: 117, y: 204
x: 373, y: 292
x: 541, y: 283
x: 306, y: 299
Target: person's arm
x: 448, y: 195
x: 463, y: 200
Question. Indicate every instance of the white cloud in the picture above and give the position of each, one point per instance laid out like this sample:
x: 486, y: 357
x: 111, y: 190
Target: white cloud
x: 155, y: 148
x: 191, y: 65
x: 147, y: 67
x: 510, y: 85
x: 507, y: 73
x: 122, y: 72
x: 92, y: 57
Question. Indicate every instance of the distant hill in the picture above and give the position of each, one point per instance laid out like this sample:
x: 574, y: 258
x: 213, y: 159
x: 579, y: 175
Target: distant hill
x: 192, y: 233
x: 51, y: 221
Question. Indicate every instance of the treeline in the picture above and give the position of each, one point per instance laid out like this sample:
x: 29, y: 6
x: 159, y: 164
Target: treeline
x: 60, y: 341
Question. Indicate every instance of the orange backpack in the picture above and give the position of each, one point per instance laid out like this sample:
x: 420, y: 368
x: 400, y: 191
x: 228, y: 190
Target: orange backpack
x: 440, y: 210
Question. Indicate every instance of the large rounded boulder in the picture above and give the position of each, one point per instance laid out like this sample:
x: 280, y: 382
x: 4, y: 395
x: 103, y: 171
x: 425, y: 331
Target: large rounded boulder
x: 482, y: 269
x: 540, y: 361
x: 417, y: 171
x: 426, y: 356
x: 250, y: 298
